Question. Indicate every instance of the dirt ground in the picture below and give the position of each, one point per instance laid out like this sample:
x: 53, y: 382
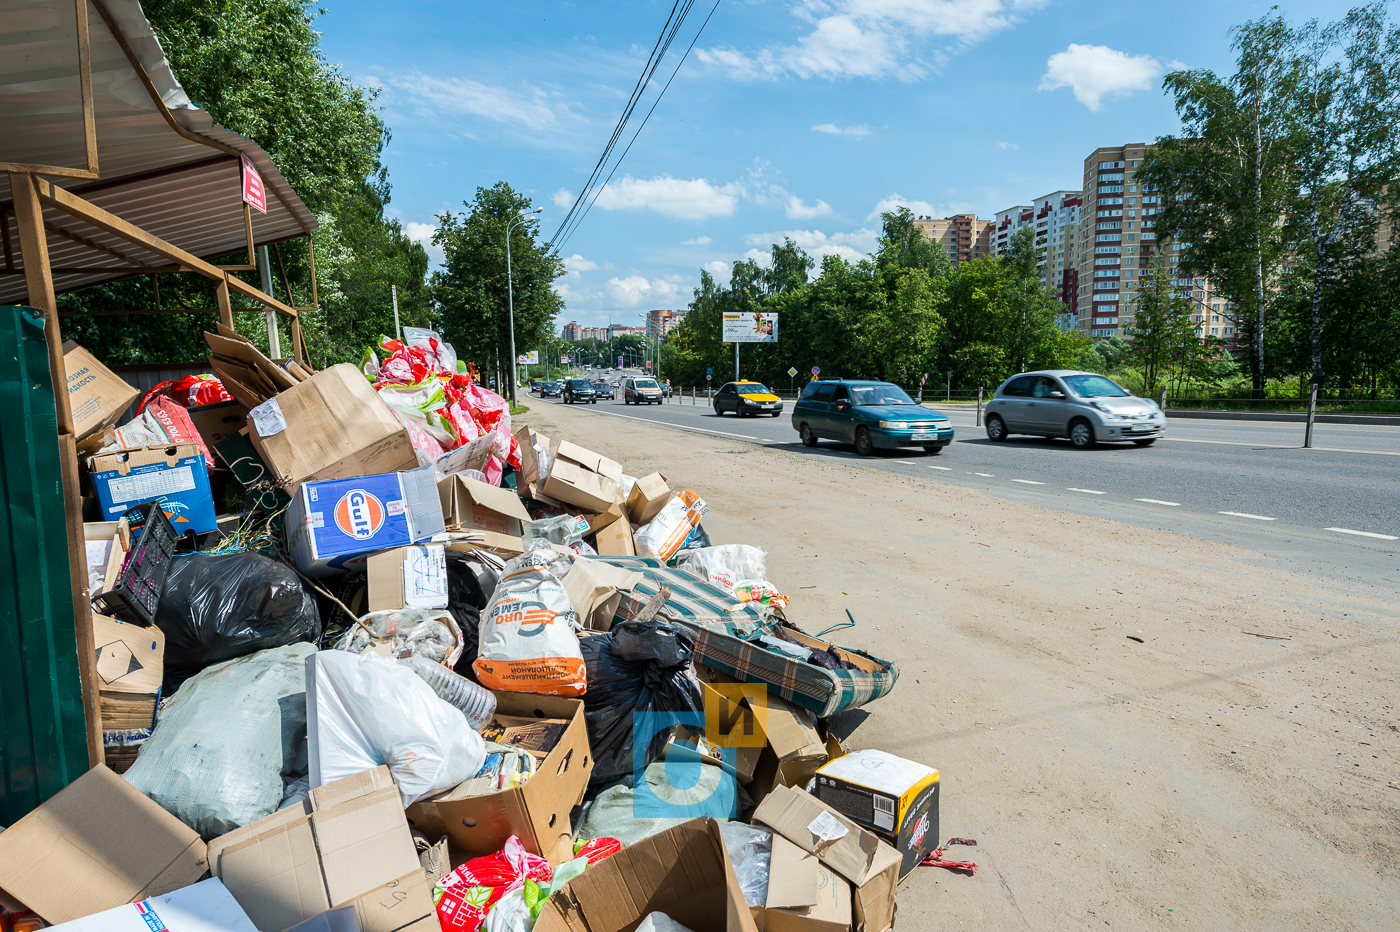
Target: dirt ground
x: 1140, y: 729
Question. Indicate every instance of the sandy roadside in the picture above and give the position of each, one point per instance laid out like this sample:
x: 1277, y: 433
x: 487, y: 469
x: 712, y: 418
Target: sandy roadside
x: 1205, y: 777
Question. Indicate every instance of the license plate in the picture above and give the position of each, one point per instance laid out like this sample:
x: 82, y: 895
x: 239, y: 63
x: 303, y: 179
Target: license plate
x: 925, y: 436
x: 1143, y: 427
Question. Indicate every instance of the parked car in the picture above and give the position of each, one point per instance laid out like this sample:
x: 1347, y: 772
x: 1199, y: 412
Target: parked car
x: 603, y: 389
x: 550, y: 390
x: 640, y: 391
x: 871, y: 415
x: 745, y: 398
x: 1085, y: 407
x: 579, y: 391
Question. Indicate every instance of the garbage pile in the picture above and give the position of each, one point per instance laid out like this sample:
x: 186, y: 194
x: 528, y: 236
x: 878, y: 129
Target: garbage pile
x: 393, y: 665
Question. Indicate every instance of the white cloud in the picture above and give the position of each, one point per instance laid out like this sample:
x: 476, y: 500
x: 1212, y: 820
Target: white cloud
x: 1007, y: 145
x: 719, y: 271
x: 563, y: 198
x: 698, y: 241
x: 1096, y: 71
x: 833, y: 129
x: 852, y: 246
x: 920, y: 208
x: 797, y: 209
x: 636, y: 289
x: 423, y: 233
x: 873, y: 38
x: 695, y: 199
x: 577, y: 263
x: 529, y: 107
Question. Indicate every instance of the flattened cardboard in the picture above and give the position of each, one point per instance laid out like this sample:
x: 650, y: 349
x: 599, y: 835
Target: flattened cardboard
x: 583, y: 478
x: 217, y: 422
x: 826, y: 895
x: 595, y: 589
x: 341, y: 919
x: 130, y: 658
x: 467, y: 503
x: 529, y: 465
x: 202, y: 907
x: 337, y: 428
x: 538, y: 812
x: 97, y: 395
x: 683, y: 872
x: 384, y: 576
x: 791, y: 731
x: 648, y: 496
x: 95, y: 845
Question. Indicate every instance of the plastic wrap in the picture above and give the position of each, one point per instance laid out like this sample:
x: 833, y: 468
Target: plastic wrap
x: 727, y: 564
x: 428, y: 633
x: 220, y: 607
x: 751, y: 852
x: 660, y: 922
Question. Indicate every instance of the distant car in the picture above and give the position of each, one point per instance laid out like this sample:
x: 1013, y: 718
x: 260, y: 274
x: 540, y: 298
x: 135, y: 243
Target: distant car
x: 665, y: 389
x: 535, y: 385
x: 579, y: 391
x: 745, y: 398
x: 870, y: 415
x: 640, y: 391
x: 603, y: 389
x: 550, y: 390
x: 1085, y: 407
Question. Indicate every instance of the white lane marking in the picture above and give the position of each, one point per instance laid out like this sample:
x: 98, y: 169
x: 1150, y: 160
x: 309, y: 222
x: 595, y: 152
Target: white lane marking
x: 985, y: 475
x: 906, y: 463
x: 1242, y: 514
x: 1346, y: 530
x: 1284, y: 446
x: 1157, y: 501
x: 1028, y: 481
x: 944, y: 468
x: 1086, y: 491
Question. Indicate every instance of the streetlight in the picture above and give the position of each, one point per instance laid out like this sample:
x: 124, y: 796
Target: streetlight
x: 525, y: 217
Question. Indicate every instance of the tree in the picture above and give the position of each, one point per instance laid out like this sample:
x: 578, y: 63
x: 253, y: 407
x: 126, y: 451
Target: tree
x: 1226, y: 181
x: 471, y: 289
x: 1162, y: 334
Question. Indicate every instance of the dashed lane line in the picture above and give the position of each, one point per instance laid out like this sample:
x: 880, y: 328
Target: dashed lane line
x: 906, y: 463
x: 1347, y: 530
x: 1027, y: 482
x: 944, y: 468
x: 1245, y: 514
x: 1158, y: 501
x: 1086, y: 491
x: 985, y: 475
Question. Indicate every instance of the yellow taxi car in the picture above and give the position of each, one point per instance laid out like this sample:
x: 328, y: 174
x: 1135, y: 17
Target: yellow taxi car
x: 745, y: 398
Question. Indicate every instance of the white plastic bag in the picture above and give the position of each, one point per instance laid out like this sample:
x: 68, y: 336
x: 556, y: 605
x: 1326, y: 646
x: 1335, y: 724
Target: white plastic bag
x: 660, y: 922
x: 665, y: 533
x: 528, y: 640
x: 751, y: 852
x: 365, y: 711
x: 727, y: 564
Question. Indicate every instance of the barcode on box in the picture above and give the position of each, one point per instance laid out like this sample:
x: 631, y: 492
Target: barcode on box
x: 884, y: 812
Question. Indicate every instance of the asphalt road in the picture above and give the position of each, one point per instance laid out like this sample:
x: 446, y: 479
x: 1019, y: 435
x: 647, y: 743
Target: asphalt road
x: 1333, y: 510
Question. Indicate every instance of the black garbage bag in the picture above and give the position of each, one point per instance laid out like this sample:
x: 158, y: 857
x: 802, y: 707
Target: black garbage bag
x: 220, y: 607
x: 465, y: 600
x: 638, y: 666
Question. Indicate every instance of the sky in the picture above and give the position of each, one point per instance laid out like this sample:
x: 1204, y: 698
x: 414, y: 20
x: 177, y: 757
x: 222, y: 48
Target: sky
x: 790, y: 118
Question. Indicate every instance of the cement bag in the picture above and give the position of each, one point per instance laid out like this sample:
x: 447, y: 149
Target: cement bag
x: 225, y: 741
x: 365, y: 711
x: 528, y: 640
x: 665, y: 533
x: 727, y: 564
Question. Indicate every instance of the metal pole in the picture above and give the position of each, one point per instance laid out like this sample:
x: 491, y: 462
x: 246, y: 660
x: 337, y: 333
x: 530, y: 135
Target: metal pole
x: 979, y: 407
x: 394, y: 293
x: 1163, y: 403
x: 510, y: 298
x: 1312, y: 413
x: 274, y: 345
x: 736, y: 362
x: 948, y: 392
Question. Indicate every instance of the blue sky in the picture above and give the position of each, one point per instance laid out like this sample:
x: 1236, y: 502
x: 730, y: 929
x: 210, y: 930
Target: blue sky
x: 797, y: 117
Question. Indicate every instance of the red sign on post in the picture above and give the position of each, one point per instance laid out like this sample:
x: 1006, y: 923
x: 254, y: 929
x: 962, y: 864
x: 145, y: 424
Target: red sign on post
x: 253, y: 191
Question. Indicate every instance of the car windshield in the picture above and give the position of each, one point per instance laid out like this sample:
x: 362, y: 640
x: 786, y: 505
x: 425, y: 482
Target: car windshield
x: 1094, y: 386
x: 752, y: 388
x: 880, y: 395
x: 582, y: 383
x: 645, y: 383
x: 551, y: 385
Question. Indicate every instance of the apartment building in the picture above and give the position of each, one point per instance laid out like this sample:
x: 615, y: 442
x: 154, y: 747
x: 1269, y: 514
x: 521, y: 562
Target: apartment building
x: 570, y: 331
x: 662, y: 322
x: 964, y: 236
x: 1055, y: 219
x: 1118, y: 245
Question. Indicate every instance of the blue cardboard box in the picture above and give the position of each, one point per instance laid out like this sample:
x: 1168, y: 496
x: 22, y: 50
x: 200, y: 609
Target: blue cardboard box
x: 173, y: 475
x: 333, y: 525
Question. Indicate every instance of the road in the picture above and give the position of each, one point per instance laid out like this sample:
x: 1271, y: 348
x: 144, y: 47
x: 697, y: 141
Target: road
x: 1332, y: 510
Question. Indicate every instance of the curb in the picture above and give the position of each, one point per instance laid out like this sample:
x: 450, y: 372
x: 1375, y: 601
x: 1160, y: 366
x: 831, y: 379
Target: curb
x: 1293, y: 418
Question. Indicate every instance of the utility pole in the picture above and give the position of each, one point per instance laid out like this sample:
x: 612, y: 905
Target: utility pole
x: 274, y: 345
x: 394, y: 293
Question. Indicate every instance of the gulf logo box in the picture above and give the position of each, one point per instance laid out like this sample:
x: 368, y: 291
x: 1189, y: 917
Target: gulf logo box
x: 897, y: 798
x: 333, y: 526
x: 173, y: 475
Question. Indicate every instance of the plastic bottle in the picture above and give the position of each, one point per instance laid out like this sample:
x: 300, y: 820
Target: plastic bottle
x: 476, y: 703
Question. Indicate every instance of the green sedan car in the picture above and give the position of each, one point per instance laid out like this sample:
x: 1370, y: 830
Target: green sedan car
x: 870, y: 415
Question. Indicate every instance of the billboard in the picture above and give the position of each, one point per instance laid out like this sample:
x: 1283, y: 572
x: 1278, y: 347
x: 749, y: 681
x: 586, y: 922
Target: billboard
x: 531, y: 358
x: 750, y: 328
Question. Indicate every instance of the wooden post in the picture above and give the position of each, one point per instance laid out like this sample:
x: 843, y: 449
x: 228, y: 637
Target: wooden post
x: 34, y: 250
x: 225, y: 305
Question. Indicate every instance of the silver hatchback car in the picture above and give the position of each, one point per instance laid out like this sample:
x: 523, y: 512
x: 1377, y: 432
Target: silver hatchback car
x: 1083, y: 406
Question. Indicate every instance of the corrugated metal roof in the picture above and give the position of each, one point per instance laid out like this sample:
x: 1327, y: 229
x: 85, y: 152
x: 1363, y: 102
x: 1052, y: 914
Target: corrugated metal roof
x: 185, y: 192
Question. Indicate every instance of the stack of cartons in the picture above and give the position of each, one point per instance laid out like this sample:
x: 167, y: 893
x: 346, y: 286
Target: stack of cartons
x: 129, y: 671
x: 97, y: 396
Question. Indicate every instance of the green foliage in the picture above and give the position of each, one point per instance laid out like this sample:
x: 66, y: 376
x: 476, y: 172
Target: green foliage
x: 1163, y: 340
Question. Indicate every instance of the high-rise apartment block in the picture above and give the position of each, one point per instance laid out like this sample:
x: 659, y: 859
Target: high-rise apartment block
x: 1055, y: 219
x: 661, y: 322
x: 964, y: 236
x: 570, y: 331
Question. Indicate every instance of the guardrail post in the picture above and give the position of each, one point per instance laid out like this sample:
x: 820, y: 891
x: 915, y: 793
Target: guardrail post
x: 1163, y: 403
x: 979, y: 407
x: 1312, y: 413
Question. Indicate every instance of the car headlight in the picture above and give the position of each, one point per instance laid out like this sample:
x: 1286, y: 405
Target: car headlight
x: 894, y: 425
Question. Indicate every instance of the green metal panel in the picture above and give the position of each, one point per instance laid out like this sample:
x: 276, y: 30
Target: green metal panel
x: 44, y: 743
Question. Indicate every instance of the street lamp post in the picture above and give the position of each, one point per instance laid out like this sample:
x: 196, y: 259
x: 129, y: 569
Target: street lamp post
x: 525, y: 217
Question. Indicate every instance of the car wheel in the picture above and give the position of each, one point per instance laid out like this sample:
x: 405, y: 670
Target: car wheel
x: 1146, y: 441
x: 809, y: 439
x: 777, y: 414
x: 996, y: 429
x: 933, y: 449
x: 1081, y: 434
x: 864, y: 445
x: 718, y: 411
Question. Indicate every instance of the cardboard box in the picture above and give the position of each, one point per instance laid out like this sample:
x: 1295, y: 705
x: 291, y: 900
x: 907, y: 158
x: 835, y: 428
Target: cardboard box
x: 245, y: 372
x: 538, y: 812
x: 583, y: 478
x: 648, y: 496
x: 467, y: 503
x: 333, y: 524
x: 529, y: 464
x: 332, y: 920
x: 595, y: 589
x: 896, y: 797
x: 202, y: 907
x: 97, y: 395
x: 130, y: 666
x: 218, y: 422
x: 332, y: 426
x: 353, y: 848
x: 871, y: 865
x: 407, y: 577
x: 176, y: 475
x: 97, y: 844
x: 804, y: 895
x: 615, y: 539
x: 683, y: 872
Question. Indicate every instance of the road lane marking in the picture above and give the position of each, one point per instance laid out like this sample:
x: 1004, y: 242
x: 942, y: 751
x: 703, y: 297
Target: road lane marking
x: 1345, y: 530
x: 985, y: 475
x: 944, y: 468
x: 1086, y: 491
x: 1157, y: 501
x: 1284, y: 446
x: 906, y: 463
x: 1028, y: 481
x: 1242, y: 514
